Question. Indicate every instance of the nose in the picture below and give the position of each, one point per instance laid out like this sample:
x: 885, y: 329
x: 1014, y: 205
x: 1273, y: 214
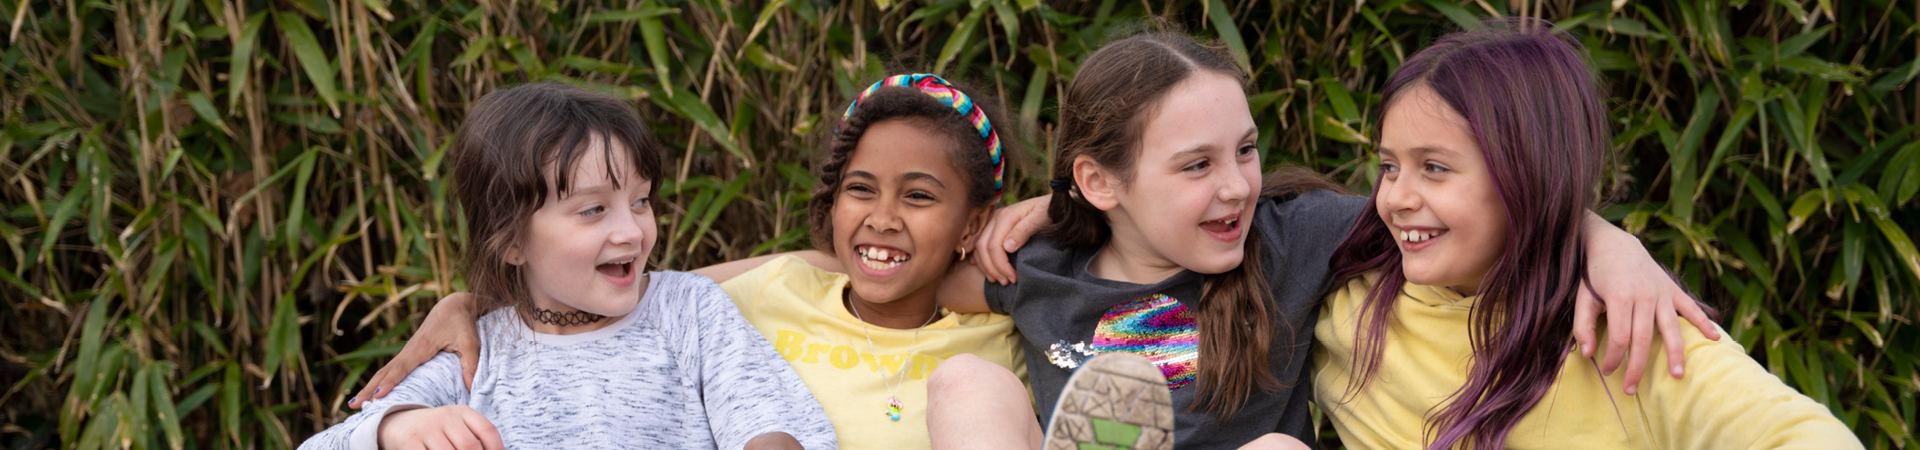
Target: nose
x: 627, y: 229
x: 1234, y: 187
x: 1397, y: 196
x: 884, y: 217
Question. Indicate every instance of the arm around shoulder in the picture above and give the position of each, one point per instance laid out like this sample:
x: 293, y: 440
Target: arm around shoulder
x: 1727, y: 400
x: 436, y: 383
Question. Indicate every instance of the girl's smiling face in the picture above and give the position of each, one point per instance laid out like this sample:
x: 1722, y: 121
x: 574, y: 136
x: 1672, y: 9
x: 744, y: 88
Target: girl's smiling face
x: 901, y: 212
x: 586, y: 249
x: 1437, y: 195
x: 1192, y: 191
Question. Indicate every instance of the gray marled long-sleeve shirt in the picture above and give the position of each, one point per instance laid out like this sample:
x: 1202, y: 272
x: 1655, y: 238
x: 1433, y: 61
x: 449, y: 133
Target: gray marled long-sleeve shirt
x: 683, y: 371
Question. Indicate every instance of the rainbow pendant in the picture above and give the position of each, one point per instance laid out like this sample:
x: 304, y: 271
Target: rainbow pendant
x: 893, y: 409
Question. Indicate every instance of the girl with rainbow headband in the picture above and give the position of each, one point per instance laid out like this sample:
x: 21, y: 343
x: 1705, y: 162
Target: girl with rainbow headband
x: 910, y: 177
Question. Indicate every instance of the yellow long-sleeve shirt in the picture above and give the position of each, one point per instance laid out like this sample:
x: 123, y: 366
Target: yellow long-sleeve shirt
x: 1725, y: 401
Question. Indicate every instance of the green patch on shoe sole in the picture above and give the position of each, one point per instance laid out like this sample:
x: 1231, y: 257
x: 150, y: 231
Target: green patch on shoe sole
x: 1112, y: 435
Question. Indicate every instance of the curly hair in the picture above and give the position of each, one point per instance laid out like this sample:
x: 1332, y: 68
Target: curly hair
x: 968, y: 149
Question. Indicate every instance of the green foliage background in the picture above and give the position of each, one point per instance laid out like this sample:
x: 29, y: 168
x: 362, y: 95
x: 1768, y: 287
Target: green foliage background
x: 218, y: 214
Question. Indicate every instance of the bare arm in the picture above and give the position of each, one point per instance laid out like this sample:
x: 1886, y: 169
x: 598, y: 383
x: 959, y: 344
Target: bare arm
x: 1631, y: 288
x: 449, y: 327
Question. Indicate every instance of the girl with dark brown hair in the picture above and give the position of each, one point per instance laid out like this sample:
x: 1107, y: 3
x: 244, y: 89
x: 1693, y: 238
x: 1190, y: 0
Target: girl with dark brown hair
x: 556, y: 185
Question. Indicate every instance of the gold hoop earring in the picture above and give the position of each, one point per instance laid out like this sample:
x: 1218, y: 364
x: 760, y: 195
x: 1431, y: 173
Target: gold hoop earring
x: 963, y: 253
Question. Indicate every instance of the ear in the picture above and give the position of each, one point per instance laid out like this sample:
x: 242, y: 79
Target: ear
x: 976, y: 223
x: 513, y: 255
x: 1096, y: 184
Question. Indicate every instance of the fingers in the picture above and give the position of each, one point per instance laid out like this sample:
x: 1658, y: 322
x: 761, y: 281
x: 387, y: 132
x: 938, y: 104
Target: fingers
x: 1642, y: 340
x: 1690, y: 309
x: 437, y: 441
x: 1669, y: 324
x: 396, y: 370
x: 992, y: 251
x: 367, y: 391
x: 1023, y: 230
x: 1618, y: 336
x: 482, y: 433
x: 468, y: 349
x: 1586, y: 315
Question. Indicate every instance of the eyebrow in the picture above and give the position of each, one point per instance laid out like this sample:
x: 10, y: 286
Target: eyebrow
x: 1203, y: 148
x: 908, y: 176
x: 1421, y: 149
x: 595, y: 189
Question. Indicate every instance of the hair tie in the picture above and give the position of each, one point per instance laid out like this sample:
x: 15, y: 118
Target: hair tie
x: 1060, y: 184
x: 939, y: 89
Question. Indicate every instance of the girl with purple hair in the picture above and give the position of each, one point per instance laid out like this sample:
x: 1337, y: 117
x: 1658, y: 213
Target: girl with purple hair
x: 1454, y: 324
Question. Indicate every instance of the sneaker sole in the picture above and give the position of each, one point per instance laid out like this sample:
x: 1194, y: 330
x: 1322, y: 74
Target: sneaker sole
x: 1115, y: 401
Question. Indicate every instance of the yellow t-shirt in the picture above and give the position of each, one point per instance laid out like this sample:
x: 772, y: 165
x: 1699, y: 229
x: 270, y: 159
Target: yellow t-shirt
x: 798, y: 308
x: 1726, y: 400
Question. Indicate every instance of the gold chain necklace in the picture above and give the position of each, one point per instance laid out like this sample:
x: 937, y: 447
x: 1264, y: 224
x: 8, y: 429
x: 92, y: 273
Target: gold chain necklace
x: 893, y: 396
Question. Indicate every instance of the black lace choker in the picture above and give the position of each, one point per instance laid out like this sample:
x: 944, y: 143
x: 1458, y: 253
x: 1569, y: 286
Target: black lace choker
x: 565, y: 319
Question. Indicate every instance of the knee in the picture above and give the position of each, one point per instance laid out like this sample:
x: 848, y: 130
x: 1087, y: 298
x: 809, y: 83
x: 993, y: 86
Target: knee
x: 969, y: 373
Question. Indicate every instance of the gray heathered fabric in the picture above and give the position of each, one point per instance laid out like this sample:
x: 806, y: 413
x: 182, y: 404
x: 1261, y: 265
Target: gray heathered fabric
x: 684, y: 371
x: 1058, y: 300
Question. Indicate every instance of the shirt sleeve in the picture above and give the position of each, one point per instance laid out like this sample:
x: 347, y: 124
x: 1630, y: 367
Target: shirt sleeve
x: 434, y: 384
x: 746, y: 388
x: 1296, y: 419
x: 1727, y: 400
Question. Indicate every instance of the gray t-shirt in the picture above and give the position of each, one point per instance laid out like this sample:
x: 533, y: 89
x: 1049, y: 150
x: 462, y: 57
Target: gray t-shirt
x: 1059, y: 306
x: 683, y: 371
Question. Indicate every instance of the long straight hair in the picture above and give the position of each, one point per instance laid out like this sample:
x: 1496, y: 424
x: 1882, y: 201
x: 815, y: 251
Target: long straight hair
x: 1534, y: 107
x: 1102, y: 114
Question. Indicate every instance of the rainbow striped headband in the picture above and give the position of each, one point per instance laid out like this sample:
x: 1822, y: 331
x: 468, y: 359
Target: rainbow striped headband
x: 939, y: 89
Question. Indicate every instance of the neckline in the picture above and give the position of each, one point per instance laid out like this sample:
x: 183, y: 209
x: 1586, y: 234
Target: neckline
x: 1083, y: 265
x: 653, y: 281
x: 1436, y: 296
x: 842, y: 282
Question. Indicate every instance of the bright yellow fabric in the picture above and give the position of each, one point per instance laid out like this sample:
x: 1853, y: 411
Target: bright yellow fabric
x: 798, y: 308
x: 1725, y: 401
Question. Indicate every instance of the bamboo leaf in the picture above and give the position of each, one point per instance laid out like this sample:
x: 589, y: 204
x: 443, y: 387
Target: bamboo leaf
x: 629, y: 15
x: 1229, y: 32
x: 314, y: 60
x: 653, y: 34
x: 958, y: 40
x: 283, y: 337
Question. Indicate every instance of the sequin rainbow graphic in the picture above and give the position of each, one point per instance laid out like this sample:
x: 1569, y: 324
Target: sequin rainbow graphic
x: 1157, y: 327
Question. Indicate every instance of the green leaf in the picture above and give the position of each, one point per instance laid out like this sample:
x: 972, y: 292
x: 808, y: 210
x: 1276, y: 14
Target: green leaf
x: 1625, y: 26
x: 1459, y: 16
x: 653, y: 34
x: 1229, y: 32
x: 958, y: 40
x: 315, y: 122
x: 1342, y: 100
x: 689, y: 105
x: 296, y: 212
x: 651, y: 11
x: 379, y: 7
x: 314, y: 60
x: 204, y: 108
x: 69, y: 206
x: 1334, y: 129
x: 283, y: 337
